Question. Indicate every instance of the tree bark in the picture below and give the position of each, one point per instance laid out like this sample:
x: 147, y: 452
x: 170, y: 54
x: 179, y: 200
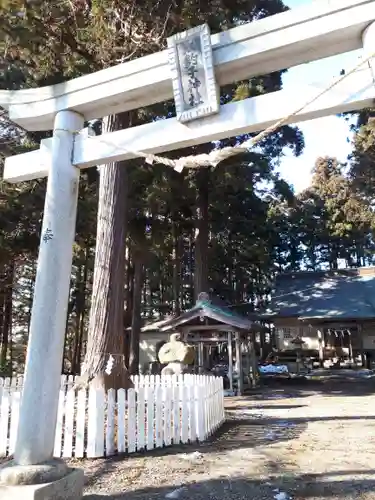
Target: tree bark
x: 6, y: 314
x: 128, y: 310
x: 31, y: 293
x: 106, y: 329
x: 81, y: 315
x: 2, y: 317
x: 136, y: 316
x: 177, y: 255
x: 201, y: 234
x: 188, y: 298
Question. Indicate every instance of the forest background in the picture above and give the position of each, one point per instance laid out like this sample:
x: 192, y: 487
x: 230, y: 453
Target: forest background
x: 149, y: 239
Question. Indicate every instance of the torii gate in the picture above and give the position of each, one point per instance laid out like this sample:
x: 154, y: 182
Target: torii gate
x: 281, y: 41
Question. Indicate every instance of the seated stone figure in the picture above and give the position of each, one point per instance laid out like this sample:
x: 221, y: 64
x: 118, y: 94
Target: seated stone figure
x: 177, y: 355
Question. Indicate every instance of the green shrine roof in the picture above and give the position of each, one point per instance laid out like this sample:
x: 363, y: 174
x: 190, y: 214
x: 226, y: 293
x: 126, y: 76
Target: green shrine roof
x: 207, y: 309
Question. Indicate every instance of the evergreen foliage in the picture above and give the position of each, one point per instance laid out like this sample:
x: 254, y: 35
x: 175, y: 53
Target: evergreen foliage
x: 228, y: 231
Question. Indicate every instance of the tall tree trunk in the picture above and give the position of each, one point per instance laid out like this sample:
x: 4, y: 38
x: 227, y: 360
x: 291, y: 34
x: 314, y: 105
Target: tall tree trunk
x: 77, y: 319
x: 6, y: 303
x: 128, y: 311
x: 128, y: 295
x: 106, y: 324
x: 189, y: 295
x: 2, y: 318
x: 136, y: 316
x: 201, y: 234
x: 177, y: 254
x: 230, y: 268
x: 81, y: 315
x: 31, y: 294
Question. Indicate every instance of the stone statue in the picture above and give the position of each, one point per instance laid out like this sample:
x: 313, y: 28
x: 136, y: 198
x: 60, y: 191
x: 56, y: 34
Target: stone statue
x: 177, y: 355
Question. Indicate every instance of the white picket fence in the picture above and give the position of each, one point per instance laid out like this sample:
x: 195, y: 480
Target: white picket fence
x: 158, y: 412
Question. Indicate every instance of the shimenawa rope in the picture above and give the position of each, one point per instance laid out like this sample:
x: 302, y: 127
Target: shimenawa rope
x: 216, y: 156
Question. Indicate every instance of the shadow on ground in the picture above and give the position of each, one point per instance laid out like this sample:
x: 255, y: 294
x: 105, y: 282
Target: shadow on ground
x: 245, y: 429
x: 301, y: 388
x: 343, y: 485
x: 277, y: 407
x: 233, y: 435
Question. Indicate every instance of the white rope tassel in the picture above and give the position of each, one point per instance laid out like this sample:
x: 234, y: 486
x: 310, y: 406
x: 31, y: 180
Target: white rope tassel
x: 109, y: 366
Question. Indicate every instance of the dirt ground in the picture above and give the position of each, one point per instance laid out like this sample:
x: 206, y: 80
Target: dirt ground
x: 314, y: 442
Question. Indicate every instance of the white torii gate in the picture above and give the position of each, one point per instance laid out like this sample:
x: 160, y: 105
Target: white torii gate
x: 302, y: 35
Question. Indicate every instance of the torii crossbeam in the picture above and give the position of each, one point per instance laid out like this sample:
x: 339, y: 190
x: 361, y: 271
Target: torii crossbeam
x: 247, y: 116
x: 309, y: 33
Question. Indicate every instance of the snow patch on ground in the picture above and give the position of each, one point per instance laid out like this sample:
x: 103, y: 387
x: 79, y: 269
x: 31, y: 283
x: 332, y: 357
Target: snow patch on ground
x: 281, y: 495
x: 273, y: 369
x: 175, y: 494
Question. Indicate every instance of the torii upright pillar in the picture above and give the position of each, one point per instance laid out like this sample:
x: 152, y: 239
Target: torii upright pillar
x: 33, y: 466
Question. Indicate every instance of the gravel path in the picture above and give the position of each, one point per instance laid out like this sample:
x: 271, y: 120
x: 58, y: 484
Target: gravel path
x: 282, y: 444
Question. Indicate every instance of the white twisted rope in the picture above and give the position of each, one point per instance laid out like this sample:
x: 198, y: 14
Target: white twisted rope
x: 216, y: 156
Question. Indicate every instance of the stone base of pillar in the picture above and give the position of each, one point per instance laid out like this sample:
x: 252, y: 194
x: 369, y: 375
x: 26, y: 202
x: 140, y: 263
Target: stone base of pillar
x: 50, y: 481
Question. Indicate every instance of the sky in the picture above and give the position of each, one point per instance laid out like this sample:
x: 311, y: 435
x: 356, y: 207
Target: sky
x: 328, y: 136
